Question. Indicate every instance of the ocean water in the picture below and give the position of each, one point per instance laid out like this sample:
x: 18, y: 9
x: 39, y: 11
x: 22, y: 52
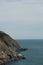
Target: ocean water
x: 34, y: 55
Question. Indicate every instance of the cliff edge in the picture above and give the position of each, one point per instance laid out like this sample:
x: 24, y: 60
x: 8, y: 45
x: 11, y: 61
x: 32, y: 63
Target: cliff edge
x: 9, y: 49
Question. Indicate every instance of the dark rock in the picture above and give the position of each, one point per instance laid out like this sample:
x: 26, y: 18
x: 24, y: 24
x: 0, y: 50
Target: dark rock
x: 22, y: 49
x: 8, y: 49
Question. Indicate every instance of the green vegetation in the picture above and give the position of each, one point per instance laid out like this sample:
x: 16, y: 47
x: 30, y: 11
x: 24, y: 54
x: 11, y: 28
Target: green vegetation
x: 1, y: 35
x: 2, y: 38
x: 6, y: 42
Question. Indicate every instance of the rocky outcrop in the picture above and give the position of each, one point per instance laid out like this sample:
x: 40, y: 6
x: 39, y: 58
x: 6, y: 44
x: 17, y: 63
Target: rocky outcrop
x: 9, y: 49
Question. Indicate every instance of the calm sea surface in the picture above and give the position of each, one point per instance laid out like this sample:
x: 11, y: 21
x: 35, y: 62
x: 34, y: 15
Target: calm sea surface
x: 34, y: 56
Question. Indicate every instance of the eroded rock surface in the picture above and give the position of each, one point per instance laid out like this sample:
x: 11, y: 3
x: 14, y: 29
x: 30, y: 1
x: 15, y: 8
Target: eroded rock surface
x: 9, y: 49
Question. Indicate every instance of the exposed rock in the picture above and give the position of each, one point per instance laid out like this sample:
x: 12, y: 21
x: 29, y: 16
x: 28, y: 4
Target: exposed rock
x: 9, y: 49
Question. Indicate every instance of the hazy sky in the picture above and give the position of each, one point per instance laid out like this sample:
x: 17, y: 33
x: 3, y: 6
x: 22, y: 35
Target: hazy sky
x: 22, y: 19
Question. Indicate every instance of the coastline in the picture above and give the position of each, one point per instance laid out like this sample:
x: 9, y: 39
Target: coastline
x: 10, y: 49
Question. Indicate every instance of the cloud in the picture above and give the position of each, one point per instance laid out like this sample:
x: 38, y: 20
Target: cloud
x: 23, y: 17
x: 9, y: 0
x: 18, y: 11
x: 24, y: 1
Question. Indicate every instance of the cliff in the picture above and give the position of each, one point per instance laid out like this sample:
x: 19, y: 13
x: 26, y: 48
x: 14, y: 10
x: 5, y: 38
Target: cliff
x: 9, y: 49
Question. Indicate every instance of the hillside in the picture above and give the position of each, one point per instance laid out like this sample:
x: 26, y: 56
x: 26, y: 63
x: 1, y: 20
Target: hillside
x: 9, y: 49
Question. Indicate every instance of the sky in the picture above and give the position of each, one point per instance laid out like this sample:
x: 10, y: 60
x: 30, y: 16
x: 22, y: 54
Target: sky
x: 22, y: 19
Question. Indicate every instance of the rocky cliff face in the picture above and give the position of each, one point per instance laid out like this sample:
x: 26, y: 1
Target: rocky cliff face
x: 9, y: 48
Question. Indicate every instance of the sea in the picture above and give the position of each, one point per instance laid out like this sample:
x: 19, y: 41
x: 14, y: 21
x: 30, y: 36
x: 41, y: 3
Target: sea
x: 34, y: 54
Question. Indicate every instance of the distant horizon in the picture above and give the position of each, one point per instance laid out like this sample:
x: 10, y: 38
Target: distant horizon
x: 22, y: 19
x: 28, y: 39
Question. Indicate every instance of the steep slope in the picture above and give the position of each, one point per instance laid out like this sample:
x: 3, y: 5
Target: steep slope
x: 8, y: 40
x: 9, y: 48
